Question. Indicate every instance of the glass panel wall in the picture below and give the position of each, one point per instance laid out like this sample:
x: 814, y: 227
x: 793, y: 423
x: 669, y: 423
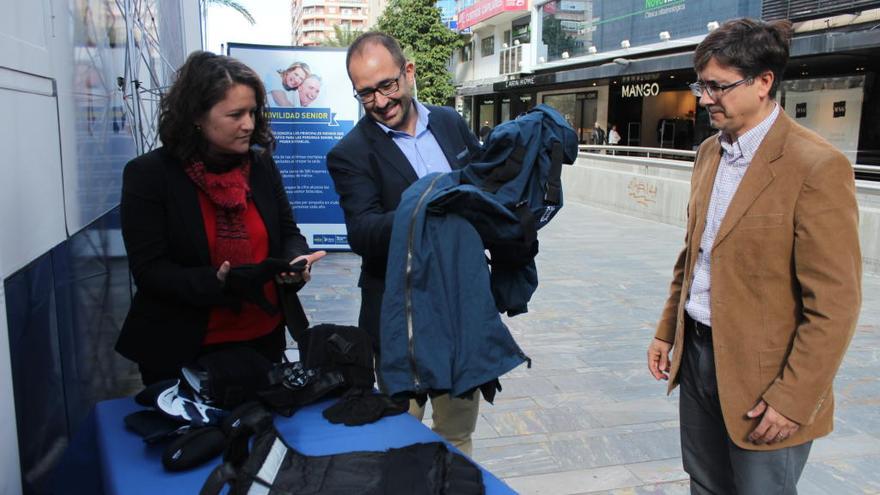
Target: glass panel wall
x: 574, y: 26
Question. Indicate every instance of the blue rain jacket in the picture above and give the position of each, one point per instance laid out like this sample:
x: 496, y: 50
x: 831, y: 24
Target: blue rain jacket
x: 440, y: 326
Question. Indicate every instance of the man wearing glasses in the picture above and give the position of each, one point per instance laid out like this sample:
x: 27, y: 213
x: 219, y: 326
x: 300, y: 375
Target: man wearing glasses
x: 766, y: 293
x: 398, y: 141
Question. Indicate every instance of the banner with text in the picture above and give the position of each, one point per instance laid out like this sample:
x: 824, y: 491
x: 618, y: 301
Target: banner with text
x: 310, y: 110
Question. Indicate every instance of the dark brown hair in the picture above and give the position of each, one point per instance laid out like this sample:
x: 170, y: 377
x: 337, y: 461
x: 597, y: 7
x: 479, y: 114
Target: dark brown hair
x: 375, y: 37
x: 202, y: 82
x: 750, y: 46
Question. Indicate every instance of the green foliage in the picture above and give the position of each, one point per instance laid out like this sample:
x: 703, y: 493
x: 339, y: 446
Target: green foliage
x: 343, y: 36
x: 427, y: 42
x: 237, y: 7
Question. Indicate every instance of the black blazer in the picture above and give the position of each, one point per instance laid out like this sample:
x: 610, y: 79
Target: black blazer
x: 370, y: 174
x: 168, y: 254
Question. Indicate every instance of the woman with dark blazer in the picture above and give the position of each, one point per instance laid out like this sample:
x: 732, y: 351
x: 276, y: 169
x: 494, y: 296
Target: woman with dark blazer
x: 207, y: 225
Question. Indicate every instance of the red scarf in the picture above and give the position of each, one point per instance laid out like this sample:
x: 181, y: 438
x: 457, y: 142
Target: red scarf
x: 228, y: 192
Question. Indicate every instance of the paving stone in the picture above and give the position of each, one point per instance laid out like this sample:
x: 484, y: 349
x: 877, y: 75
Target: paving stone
x: 671, y: 488
x: 506, y: 461
x: 856, y: 475
x: 572, y: 482
x: 587, y: 417
x: 662, y: 471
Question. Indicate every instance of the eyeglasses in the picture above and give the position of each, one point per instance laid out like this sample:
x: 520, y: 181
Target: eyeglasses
x: 714, y: 89
x: 387, y: 88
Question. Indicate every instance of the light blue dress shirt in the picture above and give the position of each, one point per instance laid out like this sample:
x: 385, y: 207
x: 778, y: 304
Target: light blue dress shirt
x: 422, y: 150
x: 735, y: 159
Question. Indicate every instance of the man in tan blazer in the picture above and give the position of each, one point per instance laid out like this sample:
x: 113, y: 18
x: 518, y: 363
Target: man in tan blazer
x: 766, y: 292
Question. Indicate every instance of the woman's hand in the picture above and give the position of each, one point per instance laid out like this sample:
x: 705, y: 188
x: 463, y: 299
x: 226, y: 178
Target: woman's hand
x: 303, y: 275
x: 223, y: 272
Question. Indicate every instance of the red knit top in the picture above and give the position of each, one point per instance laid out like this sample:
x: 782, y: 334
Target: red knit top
x: 225, y: 325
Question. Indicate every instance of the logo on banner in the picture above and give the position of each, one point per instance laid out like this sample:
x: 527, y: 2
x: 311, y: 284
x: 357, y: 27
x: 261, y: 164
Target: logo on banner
x: 839, y: 109
x: 636, y: 90
x: 800, y: 110
x: 330, y: 239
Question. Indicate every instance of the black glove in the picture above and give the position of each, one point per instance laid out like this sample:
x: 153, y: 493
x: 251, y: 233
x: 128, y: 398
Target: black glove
x: 247, y: 281
x: 361, y: 406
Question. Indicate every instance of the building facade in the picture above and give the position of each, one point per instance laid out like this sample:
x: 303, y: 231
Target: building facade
x: 627, y: 63
x: 313, y: 21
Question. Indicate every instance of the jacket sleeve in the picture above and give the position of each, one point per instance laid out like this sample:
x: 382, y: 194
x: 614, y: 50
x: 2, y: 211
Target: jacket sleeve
x: 828, y: 268
x: 368, y: 223
x: 146, y: 235
x: 293, y: 243
x: 666, y: 325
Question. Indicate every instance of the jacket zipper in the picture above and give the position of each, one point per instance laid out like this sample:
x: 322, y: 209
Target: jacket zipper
x: 408, y: 284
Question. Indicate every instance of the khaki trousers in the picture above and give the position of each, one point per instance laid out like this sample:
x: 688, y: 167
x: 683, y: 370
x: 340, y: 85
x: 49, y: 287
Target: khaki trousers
x: 454, y: 419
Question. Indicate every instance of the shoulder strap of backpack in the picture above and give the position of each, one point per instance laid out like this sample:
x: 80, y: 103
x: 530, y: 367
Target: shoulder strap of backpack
x: 554, y: 178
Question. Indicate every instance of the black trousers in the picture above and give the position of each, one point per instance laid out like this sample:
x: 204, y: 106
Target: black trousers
x: 715, y: 464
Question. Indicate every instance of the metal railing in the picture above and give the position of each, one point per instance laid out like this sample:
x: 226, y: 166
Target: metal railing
x: 862, y: 172
x: 867, y: 172
x: 510, y: 60
x: 667, y: 153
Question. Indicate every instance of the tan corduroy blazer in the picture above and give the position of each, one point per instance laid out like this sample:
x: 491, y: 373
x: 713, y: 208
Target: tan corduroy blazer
x: 785, y: 277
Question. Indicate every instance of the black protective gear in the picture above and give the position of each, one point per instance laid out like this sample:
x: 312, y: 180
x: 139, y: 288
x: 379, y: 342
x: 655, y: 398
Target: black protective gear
x: 361, y: 406
x: 339, y: 348
x: 229, y: 377
x: 272, y: 465
x: 193, y: 448
x: 247, y: 281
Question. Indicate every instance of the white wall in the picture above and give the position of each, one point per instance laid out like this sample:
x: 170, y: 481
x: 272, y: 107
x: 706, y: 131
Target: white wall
x: 37, y: 136
x: 31, y: 200
x: 486, y: 67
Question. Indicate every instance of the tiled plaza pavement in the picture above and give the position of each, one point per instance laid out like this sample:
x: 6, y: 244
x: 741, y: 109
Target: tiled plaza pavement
x: 587, y: 417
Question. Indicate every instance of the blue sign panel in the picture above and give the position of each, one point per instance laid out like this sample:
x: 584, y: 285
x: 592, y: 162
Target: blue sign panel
x: 310, y: 110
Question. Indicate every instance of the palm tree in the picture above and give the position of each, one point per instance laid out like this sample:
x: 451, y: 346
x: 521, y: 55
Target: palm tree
x: 343, y: 36
x: 236, y: 6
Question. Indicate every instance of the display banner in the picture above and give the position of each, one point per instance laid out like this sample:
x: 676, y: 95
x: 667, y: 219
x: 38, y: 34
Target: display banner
x: 835, y: 114
x: 310, y: 109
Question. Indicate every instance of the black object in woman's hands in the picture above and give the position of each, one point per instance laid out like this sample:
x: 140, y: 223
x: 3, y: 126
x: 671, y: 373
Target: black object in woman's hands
x: 247, y: 281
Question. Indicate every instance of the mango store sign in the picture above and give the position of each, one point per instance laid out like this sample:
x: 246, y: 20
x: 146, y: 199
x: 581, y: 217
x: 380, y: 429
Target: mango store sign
x: 639, y: 90
x: 480, y: 11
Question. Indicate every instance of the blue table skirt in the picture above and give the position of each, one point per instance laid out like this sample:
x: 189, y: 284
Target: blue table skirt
x: 126, y: 465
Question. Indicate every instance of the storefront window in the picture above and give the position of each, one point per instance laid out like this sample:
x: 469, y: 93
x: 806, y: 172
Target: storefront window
x: 505, y: 109
x: 579, y: 109
x: 487, y: 112
x: 657, y: 111
x: 832, y: 107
